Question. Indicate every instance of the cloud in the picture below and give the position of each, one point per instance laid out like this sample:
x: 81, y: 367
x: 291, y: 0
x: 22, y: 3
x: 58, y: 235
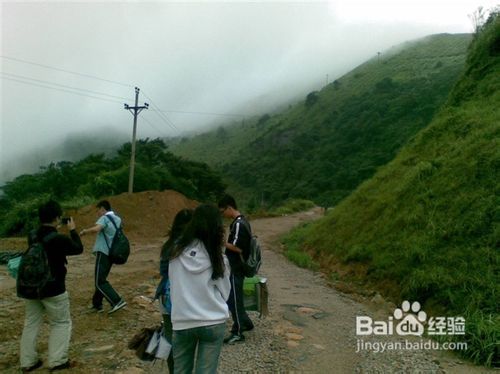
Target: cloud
x: 188, y: 58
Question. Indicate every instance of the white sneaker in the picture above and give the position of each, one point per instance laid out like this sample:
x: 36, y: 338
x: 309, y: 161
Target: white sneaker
x: 118, y: 306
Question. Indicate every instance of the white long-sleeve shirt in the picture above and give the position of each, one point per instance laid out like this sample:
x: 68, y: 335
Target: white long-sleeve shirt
x: 197, y: 300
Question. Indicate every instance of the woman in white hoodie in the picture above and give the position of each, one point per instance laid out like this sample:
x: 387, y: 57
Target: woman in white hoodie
x: 199, y: 286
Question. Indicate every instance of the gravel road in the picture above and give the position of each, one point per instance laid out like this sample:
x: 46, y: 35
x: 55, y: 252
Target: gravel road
x: 310, y: 327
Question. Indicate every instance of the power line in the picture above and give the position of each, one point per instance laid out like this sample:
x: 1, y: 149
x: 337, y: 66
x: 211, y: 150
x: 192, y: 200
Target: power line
x: 154, y: 127
x: 162, y: 116
x: 62, y: 90
x: 64, y: 86
x: 201, y: 113
x: 160, y: 112
x: 65, y: 71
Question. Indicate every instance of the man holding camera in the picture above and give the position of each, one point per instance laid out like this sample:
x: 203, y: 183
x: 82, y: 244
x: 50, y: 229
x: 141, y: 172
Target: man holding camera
x: 54, y: 300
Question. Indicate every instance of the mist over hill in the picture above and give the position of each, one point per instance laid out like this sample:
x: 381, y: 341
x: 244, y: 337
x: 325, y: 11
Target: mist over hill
x: 73, y: 148
x: 324, y: 146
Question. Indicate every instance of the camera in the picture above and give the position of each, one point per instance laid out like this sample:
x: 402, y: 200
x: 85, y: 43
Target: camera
x: 65, y: 220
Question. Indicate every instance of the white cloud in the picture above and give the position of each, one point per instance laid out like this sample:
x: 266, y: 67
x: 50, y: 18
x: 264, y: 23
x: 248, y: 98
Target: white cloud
x: 186, y: 56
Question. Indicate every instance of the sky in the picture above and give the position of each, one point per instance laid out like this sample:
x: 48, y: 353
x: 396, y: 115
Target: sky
x: 67, y: 68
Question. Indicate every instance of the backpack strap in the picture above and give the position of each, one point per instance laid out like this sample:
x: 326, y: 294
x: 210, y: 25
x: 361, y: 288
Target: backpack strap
x: 44, y: 240
x: 116, y: 228
x: 112, y: 221
x: 48, y: 237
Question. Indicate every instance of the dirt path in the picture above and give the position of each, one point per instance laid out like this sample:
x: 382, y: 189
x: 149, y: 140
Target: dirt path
x: 319, y: 322
x: 310, y: 327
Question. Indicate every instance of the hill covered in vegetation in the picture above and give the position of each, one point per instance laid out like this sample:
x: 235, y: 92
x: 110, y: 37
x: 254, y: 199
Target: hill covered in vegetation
x: 323, y: 148
x: 76, y: 184
x: 426, y: 227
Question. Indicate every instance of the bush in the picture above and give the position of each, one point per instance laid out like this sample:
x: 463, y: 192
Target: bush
x: 293, y: 206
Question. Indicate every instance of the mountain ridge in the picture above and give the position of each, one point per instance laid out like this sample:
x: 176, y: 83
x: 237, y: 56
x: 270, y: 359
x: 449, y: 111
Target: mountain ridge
x: 323, y: 147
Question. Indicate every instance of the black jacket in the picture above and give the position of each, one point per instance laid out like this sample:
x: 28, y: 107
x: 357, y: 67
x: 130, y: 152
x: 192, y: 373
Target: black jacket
x: 57, y: 249
x: 240, y: 235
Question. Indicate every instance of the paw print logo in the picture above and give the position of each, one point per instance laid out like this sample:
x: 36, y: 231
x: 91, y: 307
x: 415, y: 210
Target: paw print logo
x: 411, y: 323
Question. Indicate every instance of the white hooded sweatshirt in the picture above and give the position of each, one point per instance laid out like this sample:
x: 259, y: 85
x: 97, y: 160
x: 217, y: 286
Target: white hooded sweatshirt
x: 197, y: 300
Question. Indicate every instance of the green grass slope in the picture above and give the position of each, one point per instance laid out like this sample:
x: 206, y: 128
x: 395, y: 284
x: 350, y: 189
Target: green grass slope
x: 428, y: 223
x: 322, y: 148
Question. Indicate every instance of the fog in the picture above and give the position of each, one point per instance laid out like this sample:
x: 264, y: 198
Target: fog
x: 67, y: 68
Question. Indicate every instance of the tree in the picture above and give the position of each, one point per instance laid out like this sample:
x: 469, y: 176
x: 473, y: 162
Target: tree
x: 478, y: 18
x: 311, y: 99
x: 221, y: 134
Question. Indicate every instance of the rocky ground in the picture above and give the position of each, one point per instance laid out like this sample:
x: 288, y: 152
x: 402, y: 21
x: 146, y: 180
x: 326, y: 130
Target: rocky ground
x: 310, y: 326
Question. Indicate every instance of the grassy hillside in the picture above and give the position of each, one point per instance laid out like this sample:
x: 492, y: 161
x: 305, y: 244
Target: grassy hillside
x: 322, y: 148
x: 427, y: 225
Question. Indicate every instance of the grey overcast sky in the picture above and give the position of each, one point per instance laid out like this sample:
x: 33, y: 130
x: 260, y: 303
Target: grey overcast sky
x: 196, y: 57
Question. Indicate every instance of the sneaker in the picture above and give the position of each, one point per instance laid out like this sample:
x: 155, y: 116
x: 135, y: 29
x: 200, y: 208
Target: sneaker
x: 38, y: 364
x: 118, y: 306
x: 234, y: 338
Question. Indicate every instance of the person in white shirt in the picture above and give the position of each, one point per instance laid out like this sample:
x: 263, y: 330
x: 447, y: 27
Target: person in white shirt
x: 199, y: 288
x: 105, y: 228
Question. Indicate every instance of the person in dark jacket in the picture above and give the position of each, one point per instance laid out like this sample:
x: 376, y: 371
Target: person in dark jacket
x: 55, y: 299
x: 237, y: 250
x: 181, y: 219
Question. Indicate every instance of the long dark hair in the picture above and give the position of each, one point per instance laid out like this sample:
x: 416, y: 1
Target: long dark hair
x: 206, y: 226
x: 181, y: 219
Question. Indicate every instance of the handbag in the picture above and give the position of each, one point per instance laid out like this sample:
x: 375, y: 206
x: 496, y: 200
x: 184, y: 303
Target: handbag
x: 150, y: 344
x: 13, y: 266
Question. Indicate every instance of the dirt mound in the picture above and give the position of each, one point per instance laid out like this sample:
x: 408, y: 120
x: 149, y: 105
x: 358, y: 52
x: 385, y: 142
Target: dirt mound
x: 145, y: 214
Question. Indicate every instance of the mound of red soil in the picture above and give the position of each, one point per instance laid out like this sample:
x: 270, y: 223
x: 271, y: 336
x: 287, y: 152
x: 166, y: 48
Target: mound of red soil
x: 144, y: 215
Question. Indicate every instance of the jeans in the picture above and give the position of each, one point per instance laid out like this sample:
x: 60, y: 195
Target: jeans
x: 208, y: 340
x: 236, y: 305
x: 58, y: 313
x: 103, y: 288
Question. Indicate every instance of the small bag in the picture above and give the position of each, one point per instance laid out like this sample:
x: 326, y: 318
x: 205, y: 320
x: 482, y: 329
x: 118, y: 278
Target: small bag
x: 150, y: 344
x: 13, y: 266
x: 140, y: 341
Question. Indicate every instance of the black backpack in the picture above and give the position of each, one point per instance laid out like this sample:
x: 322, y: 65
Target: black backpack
x: 119, y: 250
x: 34, y: 270
x: 252, y: 265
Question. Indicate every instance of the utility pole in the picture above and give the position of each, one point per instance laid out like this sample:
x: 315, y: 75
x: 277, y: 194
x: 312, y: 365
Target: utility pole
x: 135, y: 110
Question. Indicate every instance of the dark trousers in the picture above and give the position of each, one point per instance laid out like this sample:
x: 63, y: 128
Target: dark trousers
x: 103, y: 288
x: 167, y: 331
x: 241, y: 321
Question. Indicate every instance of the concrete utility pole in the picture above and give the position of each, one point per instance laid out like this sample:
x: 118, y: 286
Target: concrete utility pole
x: 135, y: 110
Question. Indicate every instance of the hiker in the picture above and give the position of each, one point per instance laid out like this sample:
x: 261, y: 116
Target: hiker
x: 105, y: 230
x: 54, y: 300
x: 199, y: 287
x: 237, y: 246
x: 163, y: 290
